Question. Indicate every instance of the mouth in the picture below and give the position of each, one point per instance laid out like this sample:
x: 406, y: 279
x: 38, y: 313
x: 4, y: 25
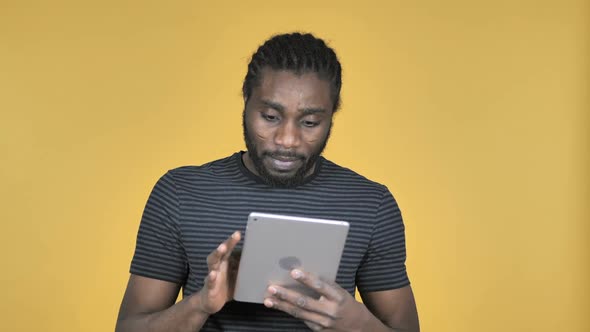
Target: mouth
x: 285, y: 164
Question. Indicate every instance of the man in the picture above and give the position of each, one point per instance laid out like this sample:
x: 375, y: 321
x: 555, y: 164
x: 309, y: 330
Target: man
x: 291, y: 91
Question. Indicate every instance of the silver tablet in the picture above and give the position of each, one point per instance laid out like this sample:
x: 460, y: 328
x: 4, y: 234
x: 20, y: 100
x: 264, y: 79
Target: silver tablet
x: 276, y: 244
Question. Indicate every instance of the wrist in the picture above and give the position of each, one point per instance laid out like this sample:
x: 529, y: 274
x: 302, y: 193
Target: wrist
x: 196, y: 301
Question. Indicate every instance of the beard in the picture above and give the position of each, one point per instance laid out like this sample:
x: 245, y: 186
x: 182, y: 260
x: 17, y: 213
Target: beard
x: 281, y: 180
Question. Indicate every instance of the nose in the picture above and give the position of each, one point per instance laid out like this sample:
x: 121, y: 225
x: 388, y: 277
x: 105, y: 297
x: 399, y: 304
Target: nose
x: 288, y: 135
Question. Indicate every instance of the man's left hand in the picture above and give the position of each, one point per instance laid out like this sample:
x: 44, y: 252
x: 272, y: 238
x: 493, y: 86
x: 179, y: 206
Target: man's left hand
x: 335, y: 310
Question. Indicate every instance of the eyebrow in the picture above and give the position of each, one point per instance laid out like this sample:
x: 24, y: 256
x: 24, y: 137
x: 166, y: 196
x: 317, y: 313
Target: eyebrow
x: 275, y: 106
x: 280, y: 108
x: 311, y: 110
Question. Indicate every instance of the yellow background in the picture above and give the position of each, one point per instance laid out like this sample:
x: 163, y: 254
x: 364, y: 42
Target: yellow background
x: 474, y: 113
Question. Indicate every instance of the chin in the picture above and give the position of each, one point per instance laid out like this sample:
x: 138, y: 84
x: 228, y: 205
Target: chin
x: 282, y: 176
x: 281, y: 173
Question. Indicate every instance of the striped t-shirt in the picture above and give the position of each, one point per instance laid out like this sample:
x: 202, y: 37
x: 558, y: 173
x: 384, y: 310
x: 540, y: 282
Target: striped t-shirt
x: 192, y: 209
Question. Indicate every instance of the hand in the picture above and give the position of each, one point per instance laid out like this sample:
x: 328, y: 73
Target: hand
x: 220, y: 282
x: 335, y: 310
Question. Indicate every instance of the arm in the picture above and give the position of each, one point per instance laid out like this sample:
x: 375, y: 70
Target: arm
x: 395, y: 308
x: 148, y: 304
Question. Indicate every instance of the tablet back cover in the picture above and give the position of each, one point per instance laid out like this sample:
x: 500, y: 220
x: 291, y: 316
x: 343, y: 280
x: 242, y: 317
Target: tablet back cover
x: 276, y: 244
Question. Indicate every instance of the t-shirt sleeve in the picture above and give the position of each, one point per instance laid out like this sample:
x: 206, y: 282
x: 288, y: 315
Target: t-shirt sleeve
x: 384, y: 265
x: 159, y: 253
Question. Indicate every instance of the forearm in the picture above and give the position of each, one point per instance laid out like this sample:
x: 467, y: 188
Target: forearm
x: 184, y: 316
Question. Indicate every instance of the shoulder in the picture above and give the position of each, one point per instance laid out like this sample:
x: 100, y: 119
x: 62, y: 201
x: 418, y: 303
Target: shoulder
x: 212, y: 176
x: 214, y: 170
x: 342, y: 176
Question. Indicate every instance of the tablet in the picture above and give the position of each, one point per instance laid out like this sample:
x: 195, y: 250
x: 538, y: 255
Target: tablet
x: 276, y: 244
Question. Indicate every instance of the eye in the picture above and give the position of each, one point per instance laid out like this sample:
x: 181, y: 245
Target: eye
x: 269, y: 117
x: 310, y: 124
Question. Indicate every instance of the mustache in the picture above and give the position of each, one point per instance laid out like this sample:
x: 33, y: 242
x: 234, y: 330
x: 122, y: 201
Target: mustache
x: 283, y: 154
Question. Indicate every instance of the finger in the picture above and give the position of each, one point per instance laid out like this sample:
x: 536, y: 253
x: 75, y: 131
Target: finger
x: 212, y: 283
x: 215, y: 257
x: 231, y: 243
x: 313, y: 326
x: 313, y: 318
x: 222, y: 251
x: 297, y: 299
x: 331, y: 291
x: 210, y: 280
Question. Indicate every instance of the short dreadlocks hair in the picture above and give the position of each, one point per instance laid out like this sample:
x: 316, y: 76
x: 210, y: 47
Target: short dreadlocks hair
x: 300, y: 53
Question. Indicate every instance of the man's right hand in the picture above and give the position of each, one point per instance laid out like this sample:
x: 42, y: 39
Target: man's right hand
x: 149, y: 304
x: 219, y: 283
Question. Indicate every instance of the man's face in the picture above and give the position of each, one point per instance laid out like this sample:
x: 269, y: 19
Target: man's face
x: 287, y: 122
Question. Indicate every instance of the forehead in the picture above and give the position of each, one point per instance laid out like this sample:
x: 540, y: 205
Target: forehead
x: 285, y: 85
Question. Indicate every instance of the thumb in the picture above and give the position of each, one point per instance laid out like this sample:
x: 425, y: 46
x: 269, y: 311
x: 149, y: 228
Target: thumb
x: 210, y: 281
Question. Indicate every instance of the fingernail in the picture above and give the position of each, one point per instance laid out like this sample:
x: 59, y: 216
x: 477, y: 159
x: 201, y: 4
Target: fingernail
x: 268, y: 303
x: 296, y: 274
x: 272, y: 290
x: 235, y: 235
